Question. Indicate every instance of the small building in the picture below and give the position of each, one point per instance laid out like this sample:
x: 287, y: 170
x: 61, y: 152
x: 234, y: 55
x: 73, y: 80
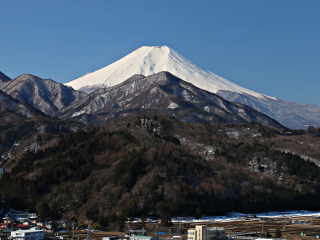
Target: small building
x: 30, y: 234
x: 143, y: 237
x: 22, y: 226
x: 51, y: 226
x: 5, y: 225
x: 20, y: 215
x: 2, y: 237
x: 112, y: 237
x: 7, y: 232
x: 136, y: 231
x: 7, y: 220
x: 202, y: 232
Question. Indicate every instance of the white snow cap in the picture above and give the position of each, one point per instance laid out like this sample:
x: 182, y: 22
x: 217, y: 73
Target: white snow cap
x: 150, y: 60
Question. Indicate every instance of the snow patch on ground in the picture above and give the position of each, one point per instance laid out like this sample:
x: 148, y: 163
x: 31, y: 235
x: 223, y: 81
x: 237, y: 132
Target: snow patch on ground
x: 173, y: 105
x: 78, y: 113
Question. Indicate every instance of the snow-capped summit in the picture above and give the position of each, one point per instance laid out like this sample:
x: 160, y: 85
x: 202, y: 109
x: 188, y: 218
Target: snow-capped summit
x: 150, y: 60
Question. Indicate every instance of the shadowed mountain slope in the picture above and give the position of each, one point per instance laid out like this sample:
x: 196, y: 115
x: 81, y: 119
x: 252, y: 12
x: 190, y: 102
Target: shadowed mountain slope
x: 45, y: 95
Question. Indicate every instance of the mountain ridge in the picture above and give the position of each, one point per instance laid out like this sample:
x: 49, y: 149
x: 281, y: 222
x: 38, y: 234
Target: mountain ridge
x: 45, y: 95
x: 166, y: 93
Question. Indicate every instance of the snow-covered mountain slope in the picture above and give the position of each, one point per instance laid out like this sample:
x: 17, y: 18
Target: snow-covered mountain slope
x: 151, y: 60
x: 290, y: 114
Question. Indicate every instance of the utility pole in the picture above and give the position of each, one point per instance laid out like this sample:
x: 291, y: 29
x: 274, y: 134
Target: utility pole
x: 72, y: 230
x: 89, y: 232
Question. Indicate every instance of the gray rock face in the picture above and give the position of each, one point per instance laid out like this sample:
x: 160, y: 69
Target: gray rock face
x: 290, y: 114
x: 165, y: 93
x: 45, y: 95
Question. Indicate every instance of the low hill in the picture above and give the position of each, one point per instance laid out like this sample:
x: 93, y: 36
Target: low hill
x: 156, y: 164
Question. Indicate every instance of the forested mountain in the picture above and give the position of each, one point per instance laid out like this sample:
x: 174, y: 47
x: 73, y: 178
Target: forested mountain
x: 22, y: 127
x: 156, y: 164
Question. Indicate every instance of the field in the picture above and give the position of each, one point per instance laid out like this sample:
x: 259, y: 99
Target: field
x: 307, y: 227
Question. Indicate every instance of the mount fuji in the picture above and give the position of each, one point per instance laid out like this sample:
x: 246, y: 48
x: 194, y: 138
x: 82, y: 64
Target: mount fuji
x: 151, y: 60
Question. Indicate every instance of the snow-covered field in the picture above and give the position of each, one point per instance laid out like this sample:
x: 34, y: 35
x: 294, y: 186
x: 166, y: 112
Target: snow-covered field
x: 240, y: 216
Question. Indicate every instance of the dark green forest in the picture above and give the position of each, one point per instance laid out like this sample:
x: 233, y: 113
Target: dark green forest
x: 156, y: 165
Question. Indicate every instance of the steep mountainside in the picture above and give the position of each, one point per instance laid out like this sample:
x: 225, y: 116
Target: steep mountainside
x: 10, y: 105
x: 290, y: 114
x: 150, y: 60
x: 23, y: 128
x: 4, y: 77
x: 45, y: 95
x: 161, y: 92
x: 156, y: 164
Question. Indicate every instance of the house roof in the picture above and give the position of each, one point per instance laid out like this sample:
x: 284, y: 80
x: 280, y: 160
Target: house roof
x: 22, y: 225
x: 142, y: 236
x: 28, y: 230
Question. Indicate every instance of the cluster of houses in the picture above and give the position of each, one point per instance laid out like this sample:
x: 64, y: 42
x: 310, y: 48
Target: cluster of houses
x: 23, y: 226
x: 26, y: 226
x: 203, y: 232
x: 200, y: 232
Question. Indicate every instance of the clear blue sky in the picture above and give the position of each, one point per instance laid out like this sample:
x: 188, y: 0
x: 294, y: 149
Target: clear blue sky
x: 268, y: 46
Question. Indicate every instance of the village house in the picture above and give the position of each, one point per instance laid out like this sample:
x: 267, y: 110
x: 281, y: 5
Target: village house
x: 7, y: 220
x: 22, y: 226
x: 7, y: 232
x: 22, y: 215
x: 143, y: 237
x: 30, y: 234
x: 136, y: 231
x: 112, y: 237
x: 202, y: 232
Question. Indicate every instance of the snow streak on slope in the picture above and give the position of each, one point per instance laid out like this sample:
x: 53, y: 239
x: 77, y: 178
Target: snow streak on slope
x: 151, y: 60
